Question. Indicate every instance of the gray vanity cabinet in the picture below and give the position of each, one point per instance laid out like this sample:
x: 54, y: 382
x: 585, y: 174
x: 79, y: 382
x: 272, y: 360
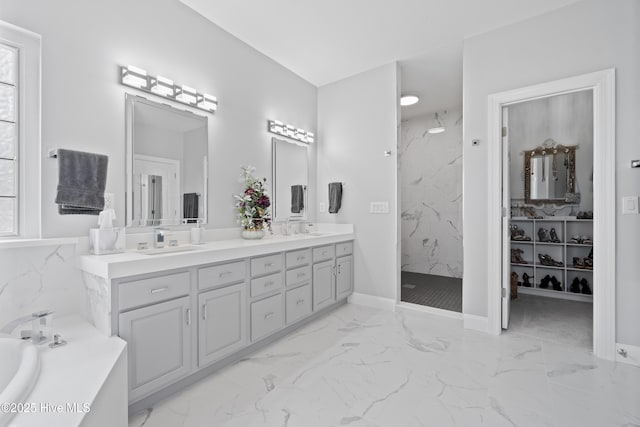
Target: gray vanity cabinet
x: 159, y: 345
x: 344, y: 276
x: 323, y: 284
x: 222, y: 325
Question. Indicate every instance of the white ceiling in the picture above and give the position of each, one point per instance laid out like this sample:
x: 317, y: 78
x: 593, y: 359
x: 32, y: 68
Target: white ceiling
x: 327, y: 40
x: 435, y: 77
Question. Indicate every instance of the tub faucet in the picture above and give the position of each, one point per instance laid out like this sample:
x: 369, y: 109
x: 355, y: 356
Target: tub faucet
x: 40, y: 327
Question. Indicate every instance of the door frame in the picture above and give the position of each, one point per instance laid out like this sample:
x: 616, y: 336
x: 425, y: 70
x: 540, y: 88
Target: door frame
x: 604, y: 303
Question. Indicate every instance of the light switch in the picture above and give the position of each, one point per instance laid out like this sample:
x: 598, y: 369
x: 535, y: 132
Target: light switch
x: 630, y: 205
x: 379, y: 207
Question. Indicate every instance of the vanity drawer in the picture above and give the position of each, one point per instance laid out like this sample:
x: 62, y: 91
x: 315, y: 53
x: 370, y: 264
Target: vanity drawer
x: 265, y: 284
x: 323, y: 253
x: 266, y: 264
x: 152, y: 290
x: 266, y: 316
x: 298, y: 258
x: 298, y: 275
x: 344, y: 248
x: 298, y: 303
x: 223, y: 274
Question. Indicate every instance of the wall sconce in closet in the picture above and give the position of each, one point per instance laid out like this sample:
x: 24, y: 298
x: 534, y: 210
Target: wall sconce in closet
x: 283, y: 129
x: 161, y: 86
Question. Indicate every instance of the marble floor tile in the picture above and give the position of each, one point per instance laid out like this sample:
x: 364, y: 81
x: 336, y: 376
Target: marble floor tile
x: 360, y: 366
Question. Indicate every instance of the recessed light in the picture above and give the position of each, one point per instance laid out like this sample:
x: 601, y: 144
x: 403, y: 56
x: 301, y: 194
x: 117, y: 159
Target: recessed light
x: 408, y: 100
x: 436, y: 130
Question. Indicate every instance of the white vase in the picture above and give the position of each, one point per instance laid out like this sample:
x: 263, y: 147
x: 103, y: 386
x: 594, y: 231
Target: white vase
x: 252, y: 234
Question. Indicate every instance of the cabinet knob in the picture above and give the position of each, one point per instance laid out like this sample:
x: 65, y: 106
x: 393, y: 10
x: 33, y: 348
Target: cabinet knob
x: 302, y: 274
x: 268, y: 264
x: 188, y: 316
x: 300, y: 302
x: 300, y: 258
x: 157, y: 290
x: 225, y: 273
x: 269, y: 315
x: 270, y: 283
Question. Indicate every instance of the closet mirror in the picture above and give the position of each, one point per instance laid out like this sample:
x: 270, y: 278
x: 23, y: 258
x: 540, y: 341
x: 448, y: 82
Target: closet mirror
x: 289, y: 180
x: 550, y: 174
x: 166, y: 157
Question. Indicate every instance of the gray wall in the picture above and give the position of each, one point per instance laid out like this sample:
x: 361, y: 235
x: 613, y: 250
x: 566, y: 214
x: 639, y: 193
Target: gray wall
x: 582, y: 38
x: 83, y: 42
x: 568, y: 120
x: 357, y: 121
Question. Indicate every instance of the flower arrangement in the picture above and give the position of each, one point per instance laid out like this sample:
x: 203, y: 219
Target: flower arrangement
x: 253, y: 204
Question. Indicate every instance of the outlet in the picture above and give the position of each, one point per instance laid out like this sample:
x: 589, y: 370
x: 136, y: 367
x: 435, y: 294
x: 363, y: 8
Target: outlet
x: 323, y: 207
x: 109, y: 201
x: 379, y: 207
x: 630, y: 205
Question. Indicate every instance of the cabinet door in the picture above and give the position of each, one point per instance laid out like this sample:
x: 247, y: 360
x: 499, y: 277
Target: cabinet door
x: 222, y: 322
x: 159, y: 345
x: 344, y: 276
x: 323, y: 284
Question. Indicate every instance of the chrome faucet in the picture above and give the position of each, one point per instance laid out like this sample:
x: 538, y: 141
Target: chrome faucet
x: 40, y: 330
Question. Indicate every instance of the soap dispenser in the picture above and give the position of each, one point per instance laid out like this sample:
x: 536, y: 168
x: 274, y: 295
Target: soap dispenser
x: 196, y: 234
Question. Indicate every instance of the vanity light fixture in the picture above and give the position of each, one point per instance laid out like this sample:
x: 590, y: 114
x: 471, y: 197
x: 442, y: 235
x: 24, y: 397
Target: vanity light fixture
x: 436, y: 130
x: 283, y: 129
x: 161, y: 86
x: 407, y: 100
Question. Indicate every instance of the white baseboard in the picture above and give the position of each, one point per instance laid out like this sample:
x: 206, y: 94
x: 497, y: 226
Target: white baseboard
x: 632, y: 353
x: 429, y: 310
x: 477, y: 323
x: 372, y: 301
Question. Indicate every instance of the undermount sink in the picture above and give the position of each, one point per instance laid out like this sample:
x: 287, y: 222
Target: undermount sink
x: 318, y: 234
x: 19, y: 370
x: 169, y: 249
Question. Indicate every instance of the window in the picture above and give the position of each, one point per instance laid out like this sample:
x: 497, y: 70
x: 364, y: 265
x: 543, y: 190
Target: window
x: 20, y: 151
x: 8, y: 139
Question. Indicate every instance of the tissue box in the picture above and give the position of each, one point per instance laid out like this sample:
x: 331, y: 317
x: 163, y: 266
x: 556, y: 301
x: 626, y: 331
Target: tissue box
x: 106, y: 240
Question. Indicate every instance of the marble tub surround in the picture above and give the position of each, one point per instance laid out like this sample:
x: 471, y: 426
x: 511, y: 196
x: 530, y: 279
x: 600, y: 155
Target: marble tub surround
x: 361, y: 366
x: 431, y: 186
x: 38, y: 275
x: 90, y: 369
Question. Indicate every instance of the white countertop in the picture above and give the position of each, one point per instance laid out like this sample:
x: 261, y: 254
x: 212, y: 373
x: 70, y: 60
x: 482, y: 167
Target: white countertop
x: 134, y: 262
x: 73, y: 373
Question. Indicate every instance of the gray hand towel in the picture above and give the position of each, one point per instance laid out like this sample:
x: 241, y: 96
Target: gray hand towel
x: 335, y: 197
x: 82, y: 178
x: 297, y: 198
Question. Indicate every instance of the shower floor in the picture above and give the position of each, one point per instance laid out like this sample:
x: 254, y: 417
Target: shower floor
x: 433, y: 291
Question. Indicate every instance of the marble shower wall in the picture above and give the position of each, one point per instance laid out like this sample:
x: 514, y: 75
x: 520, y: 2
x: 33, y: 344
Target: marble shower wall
x: 431, y: 194
x: 38, y: 278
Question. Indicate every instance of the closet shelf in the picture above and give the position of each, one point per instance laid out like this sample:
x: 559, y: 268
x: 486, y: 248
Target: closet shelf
x: 565, y: 251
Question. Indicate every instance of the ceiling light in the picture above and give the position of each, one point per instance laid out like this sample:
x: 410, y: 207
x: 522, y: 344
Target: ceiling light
x: 436, y: 130
x: 408, y: 100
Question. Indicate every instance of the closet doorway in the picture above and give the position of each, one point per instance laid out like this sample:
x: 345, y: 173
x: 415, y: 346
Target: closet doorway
x: 549, y: 176
x: 565, y: 254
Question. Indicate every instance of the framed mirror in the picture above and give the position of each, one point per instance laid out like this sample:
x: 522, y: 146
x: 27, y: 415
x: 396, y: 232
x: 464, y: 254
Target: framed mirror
x: 550, y: 175
x: 166, y: 164
x: 289, y: 180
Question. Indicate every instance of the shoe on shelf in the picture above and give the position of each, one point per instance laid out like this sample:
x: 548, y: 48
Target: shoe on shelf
x: 580, y: 215
x: 590, y: 256
x: 557, y: 286
x: 575, y: 239
x: 577, y: 262
x: 514, y: 285
x: 586, y: 289
x: 543, y: 235
x: 544, y: 283
x: 588, y: 263
x: 516, y: 256
x: 525, y: 280
x: 586, y: 240
x: 553, y: 236
x: 588, y: 215
x: 518, y: 234
x: 575, y: 286
x: 531, y: 213
x: 546, y: 259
